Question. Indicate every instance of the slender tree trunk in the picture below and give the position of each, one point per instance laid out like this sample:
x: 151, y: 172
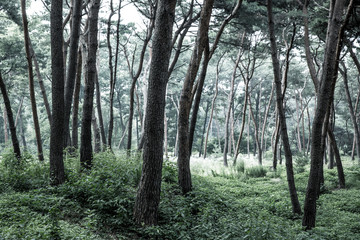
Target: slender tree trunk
x: 31, y: 82
x: 86, y: 147
x: 10, y: 117
x: 186, y: 98
x: 256, y: 133
x: 6, y: 134
x: 96, y: 130
x: 99, y: 112
x: 148, y: 195
x: 75, y: 111
x: 325, y: 97
x: 57, y: 172
x: 263, y: 146
x: 351, y: 109
x: 113, y: 73
x: 279, y: 102
x: 41, y: 82
x: 204, y: 128
x: 229, y: 106
x: 22, y: 132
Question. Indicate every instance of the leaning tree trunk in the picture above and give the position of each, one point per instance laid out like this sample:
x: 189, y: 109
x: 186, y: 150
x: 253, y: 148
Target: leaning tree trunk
x: 148, y: 195
x: 57, y: 172
x: 325, y: 94
x: 186, y: 98
x: 31, y: 81
x: 85, y: 145
x: 279, y: 103
x: 10, y: 117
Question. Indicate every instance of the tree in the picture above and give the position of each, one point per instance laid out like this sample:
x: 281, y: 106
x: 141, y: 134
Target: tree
x: 31, y: 81
x: 148, y: 195
x: 12, y: 126
x: 333, y: 44
x: 86, y: 147
x: 279, y: 103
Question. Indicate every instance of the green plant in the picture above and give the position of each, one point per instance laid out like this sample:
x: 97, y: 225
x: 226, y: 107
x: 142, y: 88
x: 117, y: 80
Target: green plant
x: 300, y: 161
x: 256, y: 171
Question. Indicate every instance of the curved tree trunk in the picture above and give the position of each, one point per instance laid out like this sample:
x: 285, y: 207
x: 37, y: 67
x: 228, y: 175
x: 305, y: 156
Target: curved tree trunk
x: 31, y: 81
x: 148, y: 195
x: 325, y: 95
x: 279, y: 102
x: 10, y: 117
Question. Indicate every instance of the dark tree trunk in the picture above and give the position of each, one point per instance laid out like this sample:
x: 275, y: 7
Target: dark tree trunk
x: 204, y: 128
x: 31, y: 82
x: 10, y: 117
x: 96, y: 131
x: 57, y: 173
x: 325, y: 97
x: 99, y: 112
x: 279, y: 103
x: 148, y: 195
x: 86, y: 147
x: 75, y: 111
x: 187, y: 97
x: 72, y: 66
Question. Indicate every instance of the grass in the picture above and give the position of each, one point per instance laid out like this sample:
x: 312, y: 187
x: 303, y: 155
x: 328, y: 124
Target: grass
x: 238, y: 202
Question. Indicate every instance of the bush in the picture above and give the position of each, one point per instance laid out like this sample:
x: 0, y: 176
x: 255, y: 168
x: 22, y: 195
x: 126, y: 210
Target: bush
x: 300, y: 161
x: 256, y: 171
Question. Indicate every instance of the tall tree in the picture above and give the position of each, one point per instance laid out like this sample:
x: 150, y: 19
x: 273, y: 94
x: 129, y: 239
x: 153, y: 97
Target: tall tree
x: 86, y: 151
x: 31, y: 81
x: 187, y: 97
x: 71, y: 66
x: 10, y: 117
x: 279, y: 103
x: 57, y: 173
x: 333, y: 45
x: 148, y: 195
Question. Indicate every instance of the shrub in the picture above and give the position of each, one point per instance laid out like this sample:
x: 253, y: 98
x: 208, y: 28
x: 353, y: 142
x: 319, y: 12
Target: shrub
x: 256, y: 171
x: 300, y: 161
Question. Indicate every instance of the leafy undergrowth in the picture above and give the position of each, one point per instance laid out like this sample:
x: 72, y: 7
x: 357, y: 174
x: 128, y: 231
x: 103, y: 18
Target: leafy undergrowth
x: 243, y: 204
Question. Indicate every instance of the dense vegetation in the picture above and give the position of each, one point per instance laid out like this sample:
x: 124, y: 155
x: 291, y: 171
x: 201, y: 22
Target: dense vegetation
x: 243, y: 202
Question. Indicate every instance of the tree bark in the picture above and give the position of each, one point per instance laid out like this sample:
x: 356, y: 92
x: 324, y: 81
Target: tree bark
x: 99, y: 112
x: 279, y: 102
x: 31, y: 82
x: 148, y: 195
x: 183, y: 161
x: 57, y: 172
x: 86, y: 147
x: 325, y: 97
x: 10, y: 117
x: 75, y: 111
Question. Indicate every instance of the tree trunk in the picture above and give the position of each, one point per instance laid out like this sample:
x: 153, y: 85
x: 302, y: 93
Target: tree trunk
x: 229, y: 106
x: 75, y: 111
x: 96, y: 130
x: 186, y: 98
x: 86, y: 147
x: 10, y: 117
x: 31, y: 81
x: 72, y: 65
x: 351, y: 109
x: 148, y: 195
x: 325, y: 97
x: 99, y: 112
x: 57, y: 172
x: 204, y: 128
x: 41, y: 83
x: 279, y: 102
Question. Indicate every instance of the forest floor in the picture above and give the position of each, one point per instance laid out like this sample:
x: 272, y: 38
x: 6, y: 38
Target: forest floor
x: 242, y: 202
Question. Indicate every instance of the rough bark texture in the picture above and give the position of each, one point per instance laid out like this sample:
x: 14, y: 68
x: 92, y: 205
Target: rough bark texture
x: 85, y: 145
x: 186, y: 98
x: 31, y: 81
x: 99, y: 112
x: 148, y: 195
x: 57, y: 173
x: 279, y: 103
x: 325, y: 98
x: 10, y: 117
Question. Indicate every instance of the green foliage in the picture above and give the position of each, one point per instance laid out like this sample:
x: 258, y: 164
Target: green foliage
x: 256, y: 171
x: 300, y: 161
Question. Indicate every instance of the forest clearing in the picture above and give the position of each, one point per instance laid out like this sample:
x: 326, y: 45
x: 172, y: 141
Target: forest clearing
x: 179, y: 119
